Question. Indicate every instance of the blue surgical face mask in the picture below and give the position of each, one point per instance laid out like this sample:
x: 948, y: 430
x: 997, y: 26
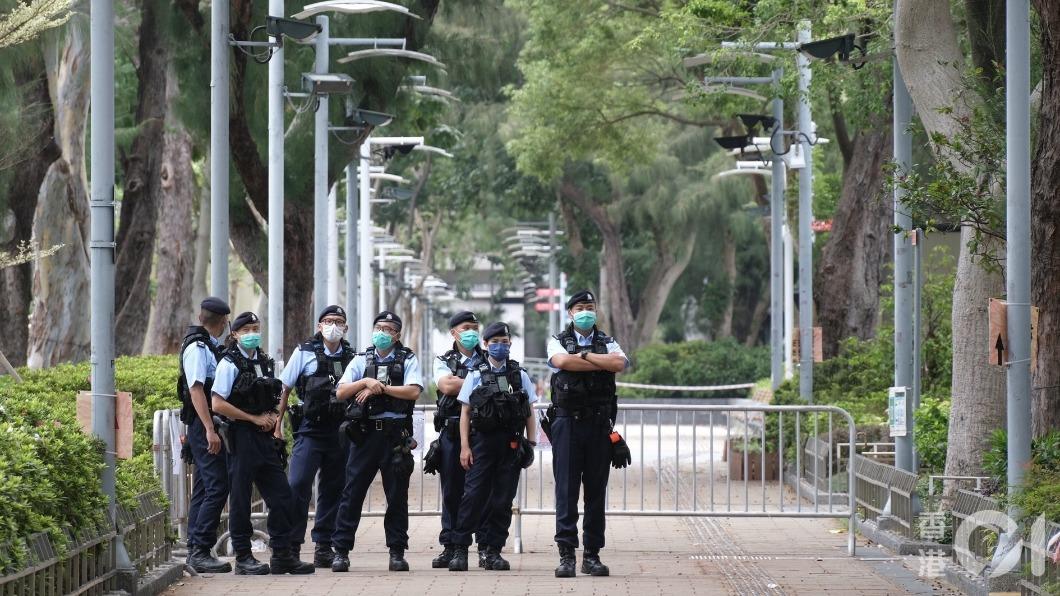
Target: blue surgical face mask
x: 382, y: 340
x: 250, y: 341
x: 585, y: 319
x: 469, y: 338
x: 499, y: 352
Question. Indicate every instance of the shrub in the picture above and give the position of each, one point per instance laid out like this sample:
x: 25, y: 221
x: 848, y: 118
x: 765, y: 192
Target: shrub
x: 721, y: 362
x: 932, y: 429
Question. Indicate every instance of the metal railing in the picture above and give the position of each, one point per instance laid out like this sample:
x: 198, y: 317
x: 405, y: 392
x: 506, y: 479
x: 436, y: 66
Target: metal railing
x: 983, y: 539
x: 688, y: 461
x: 817, y: 463
x: 885, y: 490
x: 1049, y: 581
x: 87, y: 563
x: 881, y: 451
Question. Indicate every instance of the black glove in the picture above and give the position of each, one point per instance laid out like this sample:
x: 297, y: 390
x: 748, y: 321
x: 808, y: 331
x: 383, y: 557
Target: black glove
x: 433, y: 459
x: 281, y: 449
x: 620, y: 455
x: 546, y: 422
x: 525, y: 454
x: 185, y: 453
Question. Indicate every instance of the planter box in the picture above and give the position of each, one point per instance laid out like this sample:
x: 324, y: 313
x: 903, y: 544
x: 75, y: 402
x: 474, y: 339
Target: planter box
x: 754, y: 470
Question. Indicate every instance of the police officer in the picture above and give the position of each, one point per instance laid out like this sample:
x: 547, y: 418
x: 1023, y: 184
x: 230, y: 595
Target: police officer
x: 314, y: 369
x: 247, y: 395
x: 450, y: 371
x: 381, y: 386
x: 496, y: 409
x: 584, y: 361
x: 199, y: 353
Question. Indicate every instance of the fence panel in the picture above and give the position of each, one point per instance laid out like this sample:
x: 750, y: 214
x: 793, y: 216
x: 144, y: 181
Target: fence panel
x: 982, y: 540
x: 1049, y: 581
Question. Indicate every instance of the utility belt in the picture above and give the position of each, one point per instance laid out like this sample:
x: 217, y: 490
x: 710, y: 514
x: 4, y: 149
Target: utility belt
x: 357, y: 430
x: 451, y: 428
x: 585, y: 412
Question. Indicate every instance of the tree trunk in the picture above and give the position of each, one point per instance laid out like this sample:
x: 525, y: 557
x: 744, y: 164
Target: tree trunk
x: 31, y: 165
x: 847, y: 290
x: 1045, y: 229
x: 171, y: 309
x: 728, y: 259
x: 758, y: 318
x: 59, y: 323
x: 143, y: 182
x: 668, y: 269
x: 932, y: 64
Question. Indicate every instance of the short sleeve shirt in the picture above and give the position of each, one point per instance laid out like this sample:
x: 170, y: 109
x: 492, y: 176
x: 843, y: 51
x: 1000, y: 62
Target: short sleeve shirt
x: 474, y: 379
x: 355, y: 372
x: 303, y: 362
x: 199, y: 363
x: 554, y: 347
x: 226, y: 376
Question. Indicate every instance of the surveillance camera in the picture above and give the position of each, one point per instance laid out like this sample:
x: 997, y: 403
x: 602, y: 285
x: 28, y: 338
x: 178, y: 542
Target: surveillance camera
x: 391, y: 150
x: 733, y: 142
x: 751, y: 121
x: 327, y: 84
x: 823, y: 49
x: 360, y: 117
x: 297, y: 30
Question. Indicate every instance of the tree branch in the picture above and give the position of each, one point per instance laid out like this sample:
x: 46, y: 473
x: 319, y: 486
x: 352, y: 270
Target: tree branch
x: 628, y: 8
x: 846, y: 147
x: 662, y: 114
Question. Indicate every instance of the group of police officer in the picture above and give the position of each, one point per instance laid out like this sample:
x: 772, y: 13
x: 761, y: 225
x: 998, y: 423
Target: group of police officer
x: 354, y: 420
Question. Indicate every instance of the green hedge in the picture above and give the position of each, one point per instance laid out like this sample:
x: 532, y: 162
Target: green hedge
x: 722, y: 362
x: 50, y: 469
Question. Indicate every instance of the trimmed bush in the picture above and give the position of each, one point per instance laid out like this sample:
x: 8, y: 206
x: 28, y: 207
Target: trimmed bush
x: 722, y: 362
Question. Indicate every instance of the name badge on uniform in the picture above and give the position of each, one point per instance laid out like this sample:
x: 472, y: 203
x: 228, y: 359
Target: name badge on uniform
x: 382, y: 374
x: 336, y: 368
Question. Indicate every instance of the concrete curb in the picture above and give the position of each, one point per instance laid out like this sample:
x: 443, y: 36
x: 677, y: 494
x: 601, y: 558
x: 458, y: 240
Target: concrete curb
x: 807, y: 490
x: 899, y: 544
x: 974, y: 585
x: 160, y: 578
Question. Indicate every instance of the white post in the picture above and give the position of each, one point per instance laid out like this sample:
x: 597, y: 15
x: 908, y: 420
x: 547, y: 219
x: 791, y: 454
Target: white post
x: 364, y: 312
x: 219, y: 82
x: 789, y: 301
x: 382, y: 278
x: 805, y: 224
x: 776, y: 249
x: 903, y: 268
x: 351, y: 253
x: 333, y: 246
x: 275, y: 318
x: 320, y: 179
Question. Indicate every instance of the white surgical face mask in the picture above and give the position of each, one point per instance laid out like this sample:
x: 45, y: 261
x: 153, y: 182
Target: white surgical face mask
x: 332, y: 332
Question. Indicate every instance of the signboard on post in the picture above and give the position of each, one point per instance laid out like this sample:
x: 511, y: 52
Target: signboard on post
x: 818, y: 345
x: 998, y: 347
x: 123, y: 420
x: 896, y: 411
x: 545, y: 306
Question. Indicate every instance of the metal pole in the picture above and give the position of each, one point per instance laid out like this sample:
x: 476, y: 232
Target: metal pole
x: 553, y: 278
x: 351, y: 252
x: 1018, y: 214
x: 101, y: 290
x: 805, y: 222
x: 364, y: 312
x: 918, y: 287
x: 219, y: 82
x: 776, y: 250
x: 276, y: 198
x: 903, y: 269
x: 382, y: 278
x: 320, y: 178
x: 333, y: 245
x: 789, y: 300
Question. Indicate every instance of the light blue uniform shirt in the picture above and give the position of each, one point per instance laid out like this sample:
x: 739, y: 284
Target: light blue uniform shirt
x: 199, y: 363
x: 303, y: 362
x: 227, y: 373
x: 474, y: 379
x: 355, y: 372
x: 441, y: 369
x: 554, y: 347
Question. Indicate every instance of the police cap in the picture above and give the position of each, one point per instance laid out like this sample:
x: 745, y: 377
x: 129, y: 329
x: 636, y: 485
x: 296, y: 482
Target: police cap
x: 583, y: 296
x: 464, y: 316
x: 389, y: 317
x: 333, y: 309
x: 243, y: 320
x: 495, y: 329
x: 215, y: 305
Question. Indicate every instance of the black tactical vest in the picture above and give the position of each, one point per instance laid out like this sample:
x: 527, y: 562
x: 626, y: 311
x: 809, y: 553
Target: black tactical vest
x: 448, y: 407
x: 252, y: 392
x: 196, y: 335
x: 315, y: 390
x: 388, y: 373
x: 500, y: 402
x: 575, y: 390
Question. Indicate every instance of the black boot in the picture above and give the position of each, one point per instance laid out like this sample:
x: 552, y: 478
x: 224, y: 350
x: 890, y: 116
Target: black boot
x: 202, y: 561
x: 323, y: 556
x: 341, y: 562
x: 494, y: 560
x: 591, y: 563
x: 443, y: 558
x: 246, y: 564
x: 459, y: 560
x: 567, y: 562
x: 397, y: 560
x: 287, y: 561
x: 482, y: 557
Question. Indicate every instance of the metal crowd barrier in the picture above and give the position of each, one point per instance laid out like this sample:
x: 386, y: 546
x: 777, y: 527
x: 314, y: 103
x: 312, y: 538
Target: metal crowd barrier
x: 885, y: 490
x: 980, y: 547
x: 1035, y: 584
x: 688, y: 461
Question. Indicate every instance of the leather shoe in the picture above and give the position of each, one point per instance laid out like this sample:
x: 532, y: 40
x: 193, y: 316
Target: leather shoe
x: 459, y: 561
x: 567, y: 561
x: 591, y: 563
x: 397, y: 560
x: 202, y: 561
x: 494, y: 560
x: 286, y: 561
x: 341, y: 562
x: 443, y: 558
x: 323, y: 556
x: 246, y: 564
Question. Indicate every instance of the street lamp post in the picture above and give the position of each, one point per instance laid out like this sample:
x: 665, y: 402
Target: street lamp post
x: 219, y: 81
x: 320, y: 177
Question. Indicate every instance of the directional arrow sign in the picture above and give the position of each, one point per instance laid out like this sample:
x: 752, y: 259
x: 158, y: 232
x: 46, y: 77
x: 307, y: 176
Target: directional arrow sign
x: 998, y: 314
x: 999, y: 345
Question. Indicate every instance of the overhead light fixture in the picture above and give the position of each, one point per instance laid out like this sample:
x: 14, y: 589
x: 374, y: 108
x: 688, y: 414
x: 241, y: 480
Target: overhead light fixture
x: 738, y: 142
x: 841, y: 47
x: 751, y: 121
x: 359, y: 117
x: 390, y: 151
x: 327, y: 83
x: 300, y: 31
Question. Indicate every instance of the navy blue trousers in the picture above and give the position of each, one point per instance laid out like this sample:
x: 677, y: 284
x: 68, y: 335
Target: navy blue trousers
x: 489, y: 488
x: 255, y: 462
x: 209, y: 490
x: 581, y: 458
x: 452, y: 474
x: 316, y: 450
x: 374, y: 455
